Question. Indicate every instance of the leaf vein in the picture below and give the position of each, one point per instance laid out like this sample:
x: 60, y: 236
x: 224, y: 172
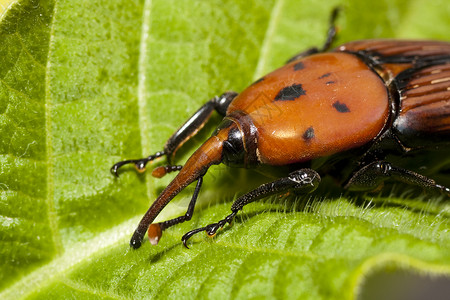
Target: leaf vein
x: 51, y: 212
x: 76, y: 285
x: 142, y: 92
x: 25, y: 49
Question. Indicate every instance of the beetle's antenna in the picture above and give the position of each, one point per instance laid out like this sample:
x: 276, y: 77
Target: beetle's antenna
x: 208, y: 154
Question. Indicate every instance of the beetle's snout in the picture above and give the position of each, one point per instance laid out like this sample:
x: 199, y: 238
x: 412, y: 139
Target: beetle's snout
x: 210, y: 153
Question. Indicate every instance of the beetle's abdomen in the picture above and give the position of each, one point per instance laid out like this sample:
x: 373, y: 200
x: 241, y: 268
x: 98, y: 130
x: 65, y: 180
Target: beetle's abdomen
x: 313, y: 107
x: 424, y: 114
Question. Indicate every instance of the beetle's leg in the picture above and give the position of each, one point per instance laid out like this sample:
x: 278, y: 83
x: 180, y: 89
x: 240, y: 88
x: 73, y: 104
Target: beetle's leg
x: 374, y: 174
x: 330, y: 38
x: 184, y: 133
x: 155, y: 229
x: 161, y: 171
x: 138, y: 163
x: 304, y: 181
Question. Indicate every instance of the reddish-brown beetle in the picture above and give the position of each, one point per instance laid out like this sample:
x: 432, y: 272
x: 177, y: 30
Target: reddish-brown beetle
x: 351, y: 108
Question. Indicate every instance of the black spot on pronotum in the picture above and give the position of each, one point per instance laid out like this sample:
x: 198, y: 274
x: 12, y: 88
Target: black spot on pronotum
x: 291, y: 92
x: 257, y: 81
x: 341, y: 107
x: 299, y: 66
x: 325, y: 75
x: 309, y: 134
x: 329, y: 82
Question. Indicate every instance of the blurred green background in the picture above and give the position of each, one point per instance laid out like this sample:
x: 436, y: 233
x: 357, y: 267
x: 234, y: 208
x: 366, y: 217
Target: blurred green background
x: 84, y: 84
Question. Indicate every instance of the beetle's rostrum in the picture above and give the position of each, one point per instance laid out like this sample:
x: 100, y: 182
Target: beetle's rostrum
x: 365, y: 109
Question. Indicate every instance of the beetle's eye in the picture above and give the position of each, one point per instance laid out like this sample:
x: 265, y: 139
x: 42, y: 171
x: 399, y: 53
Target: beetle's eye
x: 233, y: 148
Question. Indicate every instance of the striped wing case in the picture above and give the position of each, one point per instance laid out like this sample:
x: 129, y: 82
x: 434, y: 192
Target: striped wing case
x: 418, y: 74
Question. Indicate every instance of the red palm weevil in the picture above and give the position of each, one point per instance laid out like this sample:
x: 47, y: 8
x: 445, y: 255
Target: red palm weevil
x: 362, y: 109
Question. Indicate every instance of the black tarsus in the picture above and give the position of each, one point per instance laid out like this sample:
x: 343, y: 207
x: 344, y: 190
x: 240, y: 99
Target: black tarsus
x: 331, y: 35
x: 371, y: 176
x: 332, y: 30
x: 173, y: 168
x: 139, y: 163
x: 184, y: 133
x: 303, y: 180
x: 210, y: 229
x: 167, y: 169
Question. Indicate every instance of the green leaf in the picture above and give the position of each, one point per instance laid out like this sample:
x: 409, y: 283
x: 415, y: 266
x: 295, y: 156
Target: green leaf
x: 84, y: 84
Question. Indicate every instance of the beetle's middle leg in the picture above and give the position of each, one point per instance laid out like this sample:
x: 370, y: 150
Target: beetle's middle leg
x: 304, y: 181
x: 331, y: 35
x: 370, y: 177
x: 184, y: 133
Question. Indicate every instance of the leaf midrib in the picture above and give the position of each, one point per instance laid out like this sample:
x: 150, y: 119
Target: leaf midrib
x: 79, y: 253
x: 144, y: 122
x: 51, y: 212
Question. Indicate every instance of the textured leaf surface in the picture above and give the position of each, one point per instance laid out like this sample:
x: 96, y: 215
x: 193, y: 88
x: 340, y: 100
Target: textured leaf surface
x: 84, y: 84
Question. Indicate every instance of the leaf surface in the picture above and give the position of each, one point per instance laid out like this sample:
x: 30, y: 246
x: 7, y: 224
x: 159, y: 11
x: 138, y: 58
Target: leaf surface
x: 84, y: 84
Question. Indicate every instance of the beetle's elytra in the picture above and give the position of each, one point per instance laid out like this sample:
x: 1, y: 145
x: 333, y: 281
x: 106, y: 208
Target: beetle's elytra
x: 366, y: 109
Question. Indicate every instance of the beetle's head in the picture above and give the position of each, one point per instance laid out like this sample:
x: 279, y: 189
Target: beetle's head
x: 230, y: 143
x: 239, y: 140
x: 233, y: 150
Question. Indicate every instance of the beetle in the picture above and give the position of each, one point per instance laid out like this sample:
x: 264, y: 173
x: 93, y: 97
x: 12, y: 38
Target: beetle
x: 352, y: 112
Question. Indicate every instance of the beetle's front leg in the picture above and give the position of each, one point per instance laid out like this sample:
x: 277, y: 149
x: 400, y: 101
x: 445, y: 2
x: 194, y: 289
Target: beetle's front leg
x: 370, y: 177
x: 155, y: 230
x: 326, y: 46
x: 303, y: 181
x: 184, y: 133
